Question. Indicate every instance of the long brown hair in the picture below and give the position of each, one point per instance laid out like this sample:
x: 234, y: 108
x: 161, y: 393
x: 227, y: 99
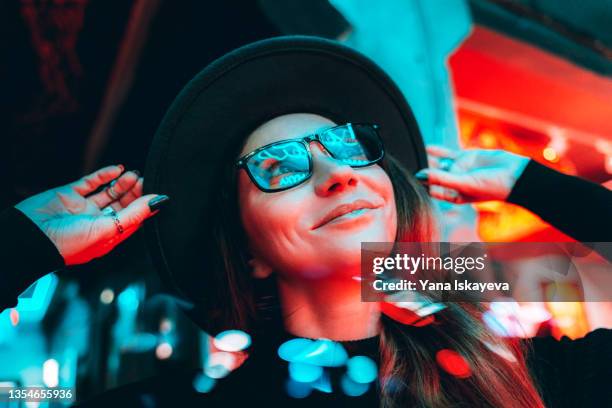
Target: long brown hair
x: 409, y: 374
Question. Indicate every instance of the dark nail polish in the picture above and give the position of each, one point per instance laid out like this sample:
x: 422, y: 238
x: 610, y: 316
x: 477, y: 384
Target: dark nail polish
x: 422, y: 178
x: 136, y: 172
x: 157, y: 202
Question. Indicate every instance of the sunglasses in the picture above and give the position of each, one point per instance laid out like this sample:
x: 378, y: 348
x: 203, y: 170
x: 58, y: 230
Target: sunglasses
x: 287, y: 163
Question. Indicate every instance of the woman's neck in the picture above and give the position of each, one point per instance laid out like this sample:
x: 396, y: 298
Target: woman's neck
x: 328, y: 309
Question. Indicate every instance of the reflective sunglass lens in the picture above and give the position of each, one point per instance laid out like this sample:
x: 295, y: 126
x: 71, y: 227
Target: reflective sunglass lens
x: 280, y: 166
x: 355, y: 145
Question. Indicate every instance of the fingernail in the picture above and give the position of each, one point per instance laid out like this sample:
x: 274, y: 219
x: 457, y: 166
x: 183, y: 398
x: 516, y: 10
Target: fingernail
x: 421, y: 176
x: 122, y: 167
x: 136, y: 172
x: 157, y: 202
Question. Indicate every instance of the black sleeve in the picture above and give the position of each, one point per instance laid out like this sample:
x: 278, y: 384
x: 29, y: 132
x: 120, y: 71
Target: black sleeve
x: 577, y: 207
x: 573, y: 373
x: 27, y: 254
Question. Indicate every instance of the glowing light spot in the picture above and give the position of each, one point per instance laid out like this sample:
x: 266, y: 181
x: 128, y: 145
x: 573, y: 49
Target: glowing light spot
x: 292, y: 348
x: 297, y: 389
x: 107, y: 296
x: 51, y: 373
x: 352, y: 388
x: 165, y: 326
x: 163, y: 351
x: 232, y: 340
x: 324, y: 353
x: 14, y: 316
x: 220, y: 364
x: 511, y: 319
x: 128, y: 299
x: 501, y: 351
x: 304, y: 372
x: 453, y: 363
x: 430, y: 309
x: 362, y: 369
x: 550, y: 154
x: 487, y: 139
x: 494, y: 324
x: 203, y: 383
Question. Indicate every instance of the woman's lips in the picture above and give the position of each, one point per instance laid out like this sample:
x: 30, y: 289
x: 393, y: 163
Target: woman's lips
x: 347, y: 211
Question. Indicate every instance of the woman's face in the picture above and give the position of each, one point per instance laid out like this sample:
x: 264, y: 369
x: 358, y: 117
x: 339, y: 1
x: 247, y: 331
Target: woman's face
x: 284, y: 228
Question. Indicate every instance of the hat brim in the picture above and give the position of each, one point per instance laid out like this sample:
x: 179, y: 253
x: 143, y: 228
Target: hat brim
x: 235, y: 94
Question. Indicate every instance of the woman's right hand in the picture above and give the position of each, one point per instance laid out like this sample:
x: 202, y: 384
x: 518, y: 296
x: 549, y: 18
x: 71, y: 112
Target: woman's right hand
x: 468, y: 176
x: 84, y: 223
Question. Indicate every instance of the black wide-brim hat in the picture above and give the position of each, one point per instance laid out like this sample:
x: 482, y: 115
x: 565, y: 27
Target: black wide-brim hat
x: 229, y: 99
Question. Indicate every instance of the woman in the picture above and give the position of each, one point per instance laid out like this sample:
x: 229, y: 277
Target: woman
x: 265, y: 237
x: 316, y: 258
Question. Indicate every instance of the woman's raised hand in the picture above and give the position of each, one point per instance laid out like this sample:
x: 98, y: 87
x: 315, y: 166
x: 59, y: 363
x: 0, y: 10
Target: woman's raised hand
x: 85, y: 223
x: 467, y: 176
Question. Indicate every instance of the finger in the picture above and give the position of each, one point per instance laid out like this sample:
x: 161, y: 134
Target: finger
x: 120, y: 187
x: 93, y: 181
x: 445, y: 179
x: 109, y: 235
x: 141, y: 209
x: 434, y: 162
x: 441, y: 151
x: 443, y: 163
x: 446, y: 194
x: 134, y: 193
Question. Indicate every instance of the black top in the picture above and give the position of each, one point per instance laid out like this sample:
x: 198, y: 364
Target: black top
x: 579, y: 208
x: 569, y: 373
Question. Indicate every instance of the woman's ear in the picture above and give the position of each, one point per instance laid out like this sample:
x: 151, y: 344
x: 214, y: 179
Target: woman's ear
x: 261, y: 270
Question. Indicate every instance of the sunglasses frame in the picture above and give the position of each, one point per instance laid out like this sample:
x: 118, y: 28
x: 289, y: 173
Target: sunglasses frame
x: 241, y: 163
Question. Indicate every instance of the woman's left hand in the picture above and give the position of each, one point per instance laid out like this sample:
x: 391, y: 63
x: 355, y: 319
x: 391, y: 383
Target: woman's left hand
x: 84, y: 224
x: 470, y: 176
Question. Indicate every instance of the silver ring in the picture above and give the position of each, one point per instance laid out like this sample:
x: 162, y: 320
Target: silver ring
x: 110, y: 211
x: 111, y: 191
x: 445, y: 163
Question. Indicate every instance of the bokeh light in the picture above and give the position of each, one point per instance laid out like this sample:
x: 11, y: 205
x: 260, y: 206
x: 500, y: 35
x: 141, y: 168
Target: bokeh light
x: 501, y: 351
x: 304, y: 372
x: 51, y: 373
x: 232, y: 340
x: 292, y: 348
x: 220, y: 364
x: 107, y: 296
x: 14, y: 316
x: 453, y: 363
x: 297, y: 389
x: 362, y: 369
x: 165, y: 326
x: 163, y: 350
x: 352, y: 388
x: 322, y: 352
x: 203, y: 383
x: 550, y: 154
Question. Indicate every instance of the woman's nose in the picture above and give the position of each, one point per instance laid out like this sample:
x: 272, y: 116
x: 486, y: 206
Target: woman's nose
x: 330, y: 175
